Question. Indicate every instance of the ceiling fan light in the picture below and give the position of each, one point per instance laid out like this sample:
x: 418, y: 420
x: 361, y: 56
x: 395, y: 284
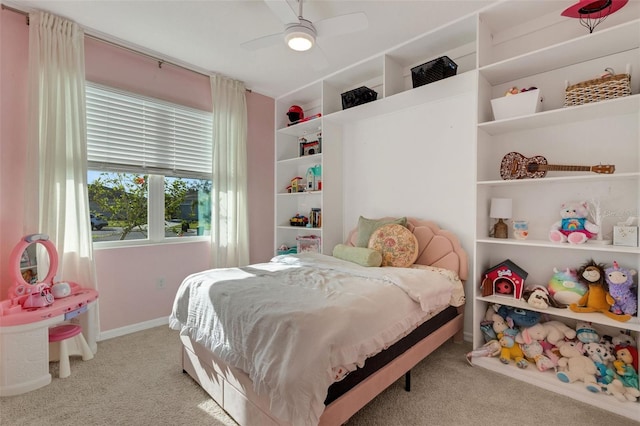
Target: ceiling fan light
x: 300, y: 37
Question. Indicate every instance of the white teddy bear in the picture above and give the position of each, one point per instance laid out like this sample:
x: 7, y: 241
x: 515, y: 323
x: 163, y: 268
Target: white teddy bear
x: 575, y: 366
x: 573, y: 227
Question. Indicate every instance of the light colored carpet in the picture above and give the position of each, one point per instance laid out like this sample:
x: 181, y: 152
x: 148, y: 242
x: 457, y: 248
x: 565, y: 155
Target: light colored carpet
x: 137, y: 380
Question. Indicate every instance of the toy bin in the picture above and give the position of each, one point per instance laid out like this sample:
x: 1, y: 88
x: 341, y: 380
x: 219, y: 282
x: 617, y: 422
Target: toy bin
x: 359, y: 96
x: 434, y: 70
x: 523, y: 103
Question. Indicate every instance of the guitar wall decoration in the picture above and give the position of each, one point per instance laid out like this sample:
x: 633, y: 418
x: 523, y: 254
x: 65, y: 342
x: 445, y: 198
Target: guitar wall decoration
x: 516, y: 166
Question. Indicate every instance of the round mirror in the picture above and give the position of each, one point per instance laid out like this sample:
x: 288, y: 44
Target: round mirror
x: 28, y: 263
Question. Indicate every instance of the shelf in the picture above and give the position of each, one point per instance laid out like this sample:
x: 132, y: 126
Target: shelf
x: 563, y: 246
x: 301, y: 129
x: 549, y: 381
x: 446, y: 88
x: 297, y: 228
x: 315, y: 158
x: 588, y: 47
x: 591, y: 111
x: 298, y: 194
x: 562, y: 179
x: 597, y: 318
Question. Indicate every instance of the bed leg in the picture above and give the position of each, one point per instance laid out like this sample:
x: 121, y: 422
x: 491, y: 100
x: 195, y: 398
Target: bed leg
x: 407, y: 381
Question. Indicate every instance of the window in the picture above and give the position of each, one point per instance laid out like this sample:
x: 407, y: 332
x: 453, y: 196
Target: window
x: 149, y: 167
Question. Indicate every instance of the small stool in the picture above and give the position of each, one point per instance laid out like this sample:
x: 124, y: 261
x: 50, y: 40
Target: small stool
x: 64, y: 341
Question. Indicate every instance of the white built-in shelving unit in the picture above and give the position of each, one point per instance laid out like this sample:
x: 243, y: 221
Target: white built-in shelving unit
x: 548, y: 51
x: 495, y: 52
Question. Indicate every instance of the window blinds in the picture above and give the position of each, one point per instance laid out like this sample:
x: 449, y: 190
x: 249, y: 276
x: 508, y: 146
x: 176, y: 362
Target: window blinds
x: 132, y: 133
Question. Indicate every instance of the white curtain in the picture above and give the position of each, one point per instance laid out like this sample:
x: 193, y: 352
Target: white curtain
x: 57, y: 202
x: 229, y: 215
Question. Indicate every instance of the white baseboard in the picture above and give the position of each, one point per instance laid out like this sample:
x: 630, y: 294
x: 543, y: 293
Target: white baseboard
x: 117, y: 332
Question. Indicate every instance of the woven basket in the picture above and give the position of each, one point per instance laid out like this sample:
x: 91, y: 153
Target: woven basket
x: 599, y: 89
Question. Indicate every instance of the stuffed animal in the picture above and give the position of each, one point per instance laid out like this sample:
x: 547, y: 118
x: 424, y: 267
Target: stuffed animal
x: 534, y: 352
x: 573, y: 227
x: 519, y: 317
x: 620, y: 281
x: 586, y: 333
x: 575, y: 366
x: 531, y: 334
x: 602, y: 358
x: 558, y: 331
x: 510, y: 350
x: 607, y: 342
x: 565, y: 288
x: 539, y: 297
x: 597, y: 298
x: 622, y: 339
x: 621, y: 392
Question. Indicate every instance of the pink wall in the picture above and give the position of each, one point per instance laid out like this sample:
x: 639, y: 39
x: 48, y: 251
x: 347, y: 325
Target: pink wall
x: 127, y: 277
x: 14, y: 49
x: 261, y: 110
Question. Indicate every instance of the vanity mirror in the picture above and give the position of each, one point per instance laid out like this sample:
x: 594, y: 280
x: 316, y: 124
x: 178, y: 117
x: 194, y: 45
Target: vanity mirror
x: 32, y: 266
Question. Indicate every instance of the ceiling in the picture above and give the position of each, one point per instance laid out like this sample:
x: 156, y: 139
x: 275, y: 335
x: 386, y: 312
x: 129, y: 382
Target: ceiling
x: 206, y: 35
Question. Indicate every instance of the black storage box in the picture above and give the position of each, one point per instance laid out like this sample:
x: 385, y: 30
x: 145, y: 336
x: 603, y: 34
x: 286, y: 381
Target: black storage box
x: 358, y: 96
x: 434, y: 70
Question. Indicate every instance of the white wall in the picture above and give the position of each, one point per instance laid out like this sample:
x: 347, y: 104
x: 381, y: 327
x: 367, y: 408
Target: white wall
x: 417, y: 162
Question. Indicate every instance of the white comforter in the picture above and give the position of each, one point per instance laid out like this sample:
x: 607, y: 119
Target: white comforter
x: 294, y: 323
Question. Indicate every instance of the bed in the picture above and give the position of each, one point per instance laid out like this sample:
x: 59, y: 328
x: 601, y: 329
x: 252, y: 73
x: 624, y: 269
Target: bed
x: 248, y: 360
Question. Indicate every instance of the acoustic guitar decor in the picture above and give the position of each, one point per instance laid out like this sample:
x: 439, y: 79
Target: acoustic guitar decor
x: 516, y: 166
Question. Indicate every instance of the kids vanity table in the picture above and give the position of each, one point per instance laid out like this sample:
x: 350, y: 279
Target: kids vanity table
x: 34, y: 305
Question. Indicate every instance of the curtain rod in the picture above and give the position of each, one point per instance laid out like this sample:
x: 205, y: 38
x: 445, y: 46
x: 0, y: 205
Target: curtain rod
x: 103, y: 40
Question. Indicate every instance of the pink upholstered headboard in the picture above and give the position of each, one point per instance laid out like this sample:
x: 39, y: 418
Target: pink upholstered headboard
x: 437, y: 247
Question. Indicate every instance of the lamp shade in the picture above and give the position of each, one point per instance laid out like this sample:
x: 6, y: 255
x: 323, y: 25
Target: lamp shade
x: 500, y: 208
x: 300, y: 36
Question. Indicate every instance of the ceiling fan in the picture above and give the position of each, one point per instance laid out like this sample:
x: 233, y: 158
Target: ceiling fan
x: 301, y: 34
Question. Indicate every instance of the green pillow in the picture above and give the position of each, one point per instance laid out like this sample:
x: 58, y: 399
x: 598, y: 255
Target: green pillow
x: 360, y: 255
x: 366, y: 227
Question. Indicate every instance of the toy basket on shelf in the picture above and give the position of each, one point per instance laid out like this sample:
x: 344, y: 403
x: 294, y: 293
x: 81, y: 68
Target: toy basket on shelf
x: 598, y: 89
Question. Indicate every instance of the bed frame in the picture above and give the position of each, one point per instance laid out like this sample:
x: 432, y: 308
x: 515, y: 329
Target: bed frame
x: 232, y: 388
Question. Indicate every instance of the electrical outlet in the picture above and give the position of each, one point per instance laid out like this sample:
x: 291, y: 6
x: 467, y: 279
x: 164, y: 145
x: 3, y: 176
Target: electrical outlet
x: 161, y: 283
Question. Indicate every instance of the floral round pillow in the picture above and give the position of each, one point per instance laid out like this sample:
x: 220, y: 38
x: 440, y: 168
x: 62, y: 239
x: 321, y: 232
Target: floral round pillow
x: 398, y: 245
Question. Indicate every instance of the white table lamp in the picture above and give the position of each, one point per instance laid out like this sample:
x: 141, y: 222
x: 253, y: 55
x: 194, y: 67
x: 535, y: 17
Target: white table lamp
x: 500, y: 209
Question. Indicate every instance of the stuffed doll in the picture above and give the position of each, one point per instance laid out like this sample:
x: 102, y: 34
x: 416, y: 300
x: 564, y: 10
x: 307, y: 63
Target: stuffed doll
x: 575, y: 366
x: 573, y: 227
x: 620, y: 281
x: 597, y: 298
x: 489, y: 349
x: 626, y: 365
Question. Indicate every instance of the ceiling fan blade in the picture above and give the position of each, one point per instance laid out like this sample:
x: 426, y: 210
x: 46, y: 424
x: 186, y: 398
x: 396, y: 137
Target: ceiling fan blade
x: 317, y: 58
x: 282, y: 10
x: 263, y: 42
x: 342, y: 24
